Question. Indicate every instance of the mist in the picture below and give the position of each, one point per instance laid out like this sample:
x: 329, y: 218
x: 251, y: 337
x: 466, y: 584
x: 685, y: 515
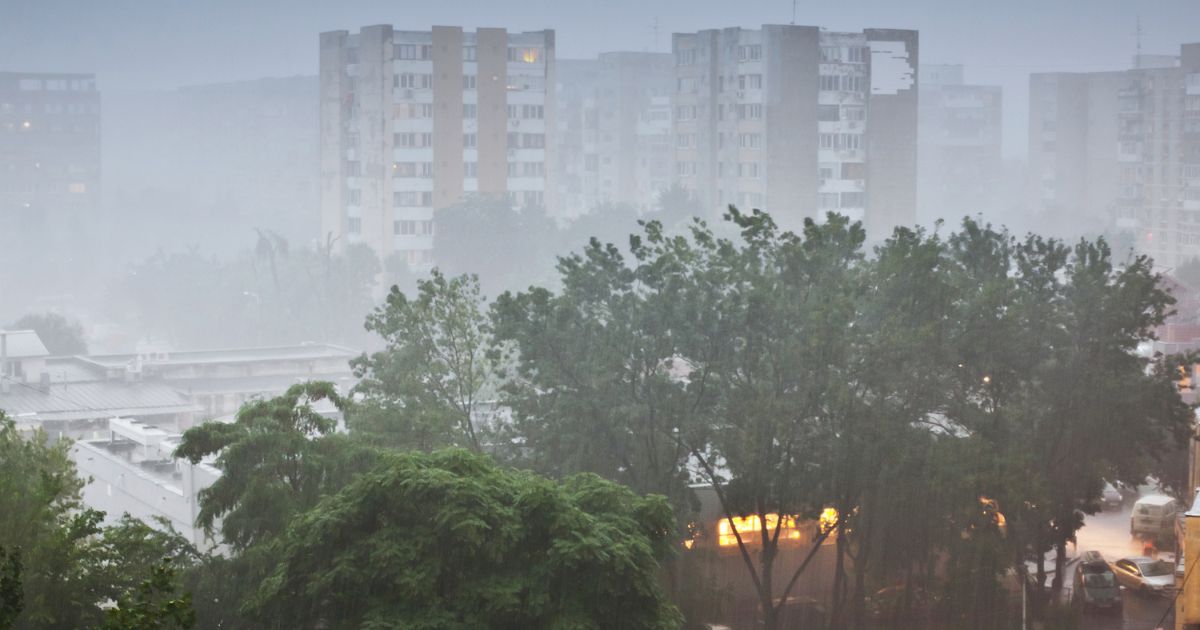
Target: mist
x: 707, y: 261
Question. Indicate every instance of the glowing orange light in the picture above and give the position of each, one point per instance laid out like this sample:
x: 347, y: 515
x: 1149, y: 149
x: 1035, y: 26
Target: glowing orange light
x: 529, y: 55
x: 745, y: 526
x: 829, y: 519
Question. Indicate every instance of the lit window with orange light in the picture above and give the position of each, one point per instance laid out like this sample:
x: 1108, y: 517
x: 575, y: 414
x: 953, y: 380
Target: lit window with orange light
x: 750, y: 529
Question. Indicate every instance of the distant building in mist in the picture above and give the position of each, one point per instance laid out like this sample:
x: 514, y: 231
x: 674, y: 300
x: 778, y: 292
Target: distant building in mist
x: 614, y: 137
x: 1120, y: 151
x: 960, y: 166
x: 414, y: 121
x: 799, y: 121
x: 49, y: 143
x: 215, y: 161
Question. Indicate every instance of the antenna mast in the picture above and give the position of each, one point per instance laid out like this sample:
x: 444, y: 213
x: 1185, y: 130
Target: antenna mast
x: 793, y: 12
x: 1137, y: 60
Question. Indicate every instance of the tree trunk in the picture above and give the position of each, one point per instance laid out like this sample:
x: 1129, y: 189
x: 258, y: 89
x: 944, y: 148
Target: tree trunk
x: 1060, y: 562
x: 837, y: 615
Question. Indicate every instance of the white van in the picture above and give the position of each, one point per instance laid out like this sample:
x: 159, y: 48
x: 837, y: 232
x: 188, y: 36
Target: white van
x: 1154, y: 517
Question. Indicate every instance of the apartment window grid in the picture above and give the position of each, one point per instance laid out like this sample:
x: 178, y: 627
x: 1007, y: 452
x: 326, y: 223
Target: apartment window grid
x: 412, y: 228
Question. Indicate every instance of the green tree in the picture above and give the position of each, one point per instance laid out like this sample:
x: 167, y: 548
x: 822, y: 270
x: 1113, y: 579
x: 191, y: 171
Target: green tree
x: 426, y: 387
x: 12, y: 595
x: 60, y: 335
x: 154, y: 605
x: 450, y: 540
x: 277, y: 459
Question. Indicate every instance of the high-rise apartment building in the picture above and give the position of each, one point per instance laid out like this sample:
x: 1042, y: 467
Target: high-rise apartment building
x: 49, y: 143
x: 959, y: 147
x: 1121, y: 150
x: 414, y: 121
x: 798, y: 121
x: 614, y: 130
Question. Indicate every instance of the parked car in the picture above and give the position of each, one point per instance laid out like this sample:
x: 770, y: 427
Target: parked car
x: 1145, y: 575
x: 1095, y: 586
x: 1110, y: 497
x: 1154, y: 517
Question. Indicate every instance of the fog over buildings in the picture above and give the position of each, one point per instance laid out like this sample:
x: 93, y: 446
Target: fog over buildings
x: 204, y: 204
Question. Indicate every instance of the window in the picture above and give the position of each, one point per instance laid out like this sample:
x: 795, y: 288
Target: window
x: 469, y: 81
x: 750, y: 140
x: 853, y: 200
x: 830, y: 82
x: 412, y: 140
x: 831, y: 54
x: 469, y: 110
x: 354, y: 197
x: 513, y: 169
x: 412, y: 199
x: 412, y: 169
x: 404, y: 51
x: 748, y: 169
x: 512, y: 112
x: 685, y: 57
x: 533, y: 140
x: 851, y: 141
x: 534, y: 169
x: 749, y: 81
x: 468, y: 53
x: 514, y: 140
x: 828, y: 140
x: 856, y: 114
x: 412, y: 228
x: 828, y: 113
x: 420, y: 110
x: 686, y: 85
x: 750, y: 112
x: 534, y: 197
x: 525, y: 55
x: 854, y: 170
x: 751, y: 52
x: 468, y: 141
x: 828, y: 201
x: 684, y: 140
x: 856, y: 54
x: 825, y: 171
x: 533, y: 112
x: 354, y: 225
x: 470, y: 169
x: 854, y: 84
x: 412, y: 81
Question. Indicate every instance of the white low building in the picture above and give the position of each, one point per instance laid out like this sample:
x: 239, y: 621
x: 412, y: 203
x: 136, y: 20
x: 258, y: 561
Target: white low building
x: 132, y: 471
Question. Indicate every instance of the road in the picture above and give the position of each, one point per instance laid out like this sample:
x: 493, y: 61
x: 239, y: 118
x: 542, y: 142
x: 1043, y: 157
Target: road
x: 1108, y: 533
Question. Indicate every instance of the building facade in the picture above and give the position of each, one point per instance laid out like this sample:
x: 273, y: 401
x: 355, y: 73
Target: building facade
x: 49, y: 142
x: 614, y: 130
x: 959, y: 145
x: 414, y: 121
x: 1121, y: 151
x: 799, y: 121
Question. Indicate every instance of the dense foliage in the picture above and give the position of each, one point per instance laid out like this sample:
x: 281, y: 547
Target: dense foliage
x: 60, y: 565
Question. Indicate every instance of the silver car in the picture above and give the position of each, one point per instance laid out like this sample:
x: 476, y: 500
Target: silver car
x: 1145, y: 575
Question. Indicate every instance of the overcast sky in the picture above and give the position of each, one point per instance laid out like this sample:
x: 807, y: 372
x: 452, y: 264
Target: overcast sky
x: 155, y: 44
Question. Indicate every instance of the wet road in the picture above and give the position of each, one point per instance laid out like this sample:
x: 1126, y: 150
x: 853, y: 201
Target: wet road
x: 1108, y: 533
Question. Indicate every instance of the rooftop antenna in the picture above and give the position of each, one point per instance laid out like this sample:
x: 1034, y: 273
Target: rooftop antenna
x: 654, y: 27
x: 1137, y: 60
x: 793, y: 12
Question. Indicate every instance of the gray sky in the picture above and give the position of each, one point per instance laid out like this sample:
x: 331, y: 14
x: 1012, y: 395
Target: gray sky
x: 152, y: 44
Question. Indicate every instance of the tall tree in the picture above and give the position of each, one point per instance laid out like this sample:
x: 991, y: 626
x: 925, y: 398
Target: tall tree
x: 429, y: 385
x: 278, y: 458
x: 450, y: 540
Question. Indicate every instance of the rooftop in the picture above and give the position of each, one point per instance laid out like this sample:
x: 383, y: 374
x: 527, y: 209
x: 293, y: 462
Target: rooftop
x: 23, y: 344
